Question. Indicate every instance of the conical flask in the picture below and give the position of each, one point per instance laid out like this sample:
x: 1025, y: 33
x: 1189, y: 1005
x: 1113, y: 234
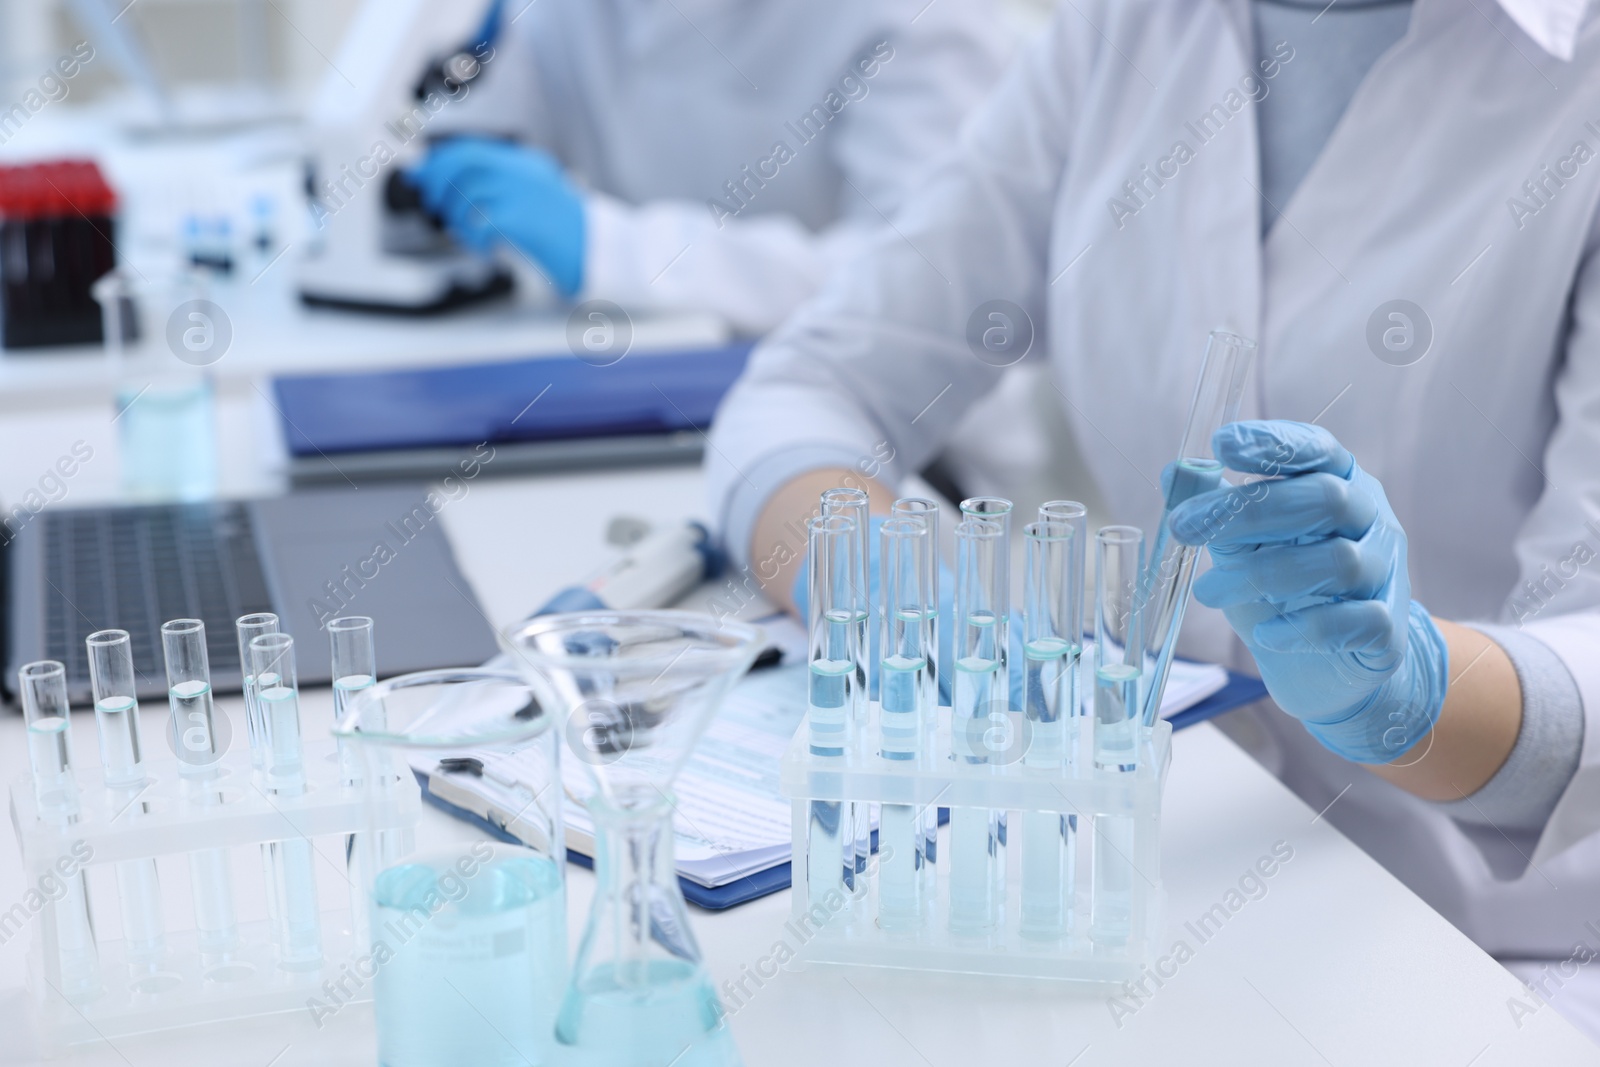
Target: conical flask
x: 634, y: 690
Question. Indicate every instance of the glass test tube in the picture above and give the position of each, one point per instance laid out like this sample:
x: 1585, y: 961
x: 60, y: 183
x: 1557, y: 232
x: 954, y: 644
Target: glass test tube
x: 196, y: 742
x: 833, y: 688
x: 43, y: 686
x: 998, y: 510
x: 272, y: 664
x: 1170, y: 574
x: 1051, y: 587
x: 355, y: 668
x: 1118, y: 651
x: 71, y: 957
x: 355, y: 665
x: 905, y: 690
x: 247, y: 628
x: 116, y: 712
x: 927, y: 511
x: 1072, y: 513
x: 978, y: 696
x: 853, y: 505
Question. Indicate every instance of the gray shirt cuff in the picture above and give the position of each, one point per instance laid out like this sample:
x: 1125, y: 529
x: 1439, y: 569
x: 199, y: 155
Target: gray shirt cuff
x: 1518, y: 800
x: 752, y: 489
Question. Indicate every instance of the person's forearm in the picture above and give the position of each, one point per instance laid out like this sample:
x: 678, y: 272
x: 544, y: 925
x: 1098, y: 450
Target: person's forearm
x: 1477, y: 727
x: 773, y: 552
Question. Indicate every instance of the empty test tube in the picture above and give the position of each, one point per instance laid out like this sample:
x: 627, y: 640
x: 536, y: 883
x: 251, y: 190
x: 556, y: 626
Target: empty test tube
x: 72, y: 962
x: 1118, y: 650
x: 1051, y: 589
x: 905, y: 689
x: 199, y: 746
x: 852, y: 504
x: 116, y: 712
x: 1170, y: 573
x: 978, y: 707
x: 833, y: 688
x: 299, y: 933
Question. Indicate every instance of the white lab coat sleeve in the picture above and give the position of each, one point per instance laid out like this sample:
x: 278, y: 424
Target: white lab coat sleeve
x: 878, y: 366
x: 673, y: 254
x: 754, y: 269
x: 1558, y: 552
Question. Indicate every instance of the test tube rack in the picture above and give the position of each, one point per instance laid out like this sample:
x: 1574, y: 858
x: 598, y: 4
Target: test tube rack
x: 161, y: 819
x: 846, y: 931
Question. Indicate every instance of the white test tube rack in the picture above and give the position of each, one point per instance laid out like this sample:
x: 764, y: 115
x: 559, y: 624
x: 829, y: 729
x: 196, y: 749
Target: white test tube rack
x: 848, y: 933
x: 163, y: 823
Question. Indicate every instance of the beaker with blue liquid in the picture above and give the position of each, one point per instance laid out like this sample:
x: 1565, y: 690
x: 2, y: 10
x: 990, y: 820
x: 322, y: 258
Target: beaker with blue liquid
x: 467, y: 942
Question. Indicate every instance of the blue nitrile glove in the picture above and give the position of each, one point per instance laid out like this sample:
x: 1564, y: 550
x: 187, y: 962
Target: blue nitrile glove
x: 1310, y: 570
x: 1015, y: 668
x: 490, y: 191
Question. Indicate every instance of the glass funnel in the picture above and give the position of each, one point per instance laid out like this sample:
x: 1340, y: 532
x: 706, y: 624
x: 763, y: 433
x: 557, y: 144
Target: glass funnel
x: 633, y: 691
x: 465, y: 940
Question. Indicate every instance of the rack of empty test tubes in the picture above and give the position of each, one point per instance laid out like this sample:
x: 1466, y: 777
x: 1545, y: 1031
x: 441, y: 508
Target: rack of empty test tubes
x: 207, y: 885
x: 977, y: 791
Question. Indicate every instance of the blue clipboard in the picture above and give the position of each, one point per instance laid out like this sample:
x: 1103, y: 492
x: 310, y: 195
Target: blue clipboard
x: 559, y: 398
x: 1240, y: 690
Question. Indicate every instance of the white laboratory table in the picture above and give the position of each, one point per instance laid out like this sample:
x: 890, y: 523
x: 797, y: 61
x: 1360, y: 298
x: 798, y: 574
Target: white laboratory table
x: 1334, y: 963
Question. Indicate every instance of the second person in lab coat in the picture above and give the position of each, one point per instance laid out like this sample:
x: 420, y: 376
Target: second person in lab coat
x: 706, y: 155
x: 1399, y: 200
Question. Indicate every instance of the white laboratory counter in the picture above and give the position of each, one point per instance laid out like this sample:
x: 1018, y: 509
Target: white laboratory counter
x: 1331, y: 961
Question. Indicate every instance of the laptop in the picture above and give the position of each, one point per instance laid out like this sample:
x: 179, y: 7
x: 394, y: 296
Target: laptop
x: 308, y: 556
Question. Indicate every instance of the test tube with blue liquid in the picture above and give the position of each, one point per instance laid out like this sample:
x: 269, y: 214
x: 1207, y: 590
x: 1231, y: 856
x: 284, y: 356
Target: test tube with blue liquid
x: 978, y: 694
x: 905, y: 693
x: 194, y: 732
x: 355, y: 669
x: 116, y: 712
x: 1049, y: 839
x: 998, y: 511
x: 247, y: 628
x: 1074, y: 514
x: 833, y: 689
x: 272, y: 666
x: 1171, y: 570
x: 1118, y: 651
x: 72, y: 960
x: 853, y: 505
x: 927, y: 512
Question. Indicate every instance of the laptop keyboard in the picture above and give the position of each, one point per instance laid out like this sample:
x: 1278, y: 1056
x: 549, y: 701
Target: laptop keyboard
x: 135, y: 568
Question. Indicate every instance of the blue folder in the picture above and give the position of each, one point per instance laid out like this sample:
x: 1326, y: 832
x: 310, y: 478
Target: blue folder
x: 1240, y: 690
x: 556, y: 398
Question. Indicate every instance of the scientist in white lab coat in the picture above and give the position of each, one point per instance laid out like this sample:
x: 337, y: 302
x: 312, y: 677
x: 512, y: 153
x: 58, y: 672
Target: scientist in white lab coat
x: 1398, y: 200
x: 713, y: 155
